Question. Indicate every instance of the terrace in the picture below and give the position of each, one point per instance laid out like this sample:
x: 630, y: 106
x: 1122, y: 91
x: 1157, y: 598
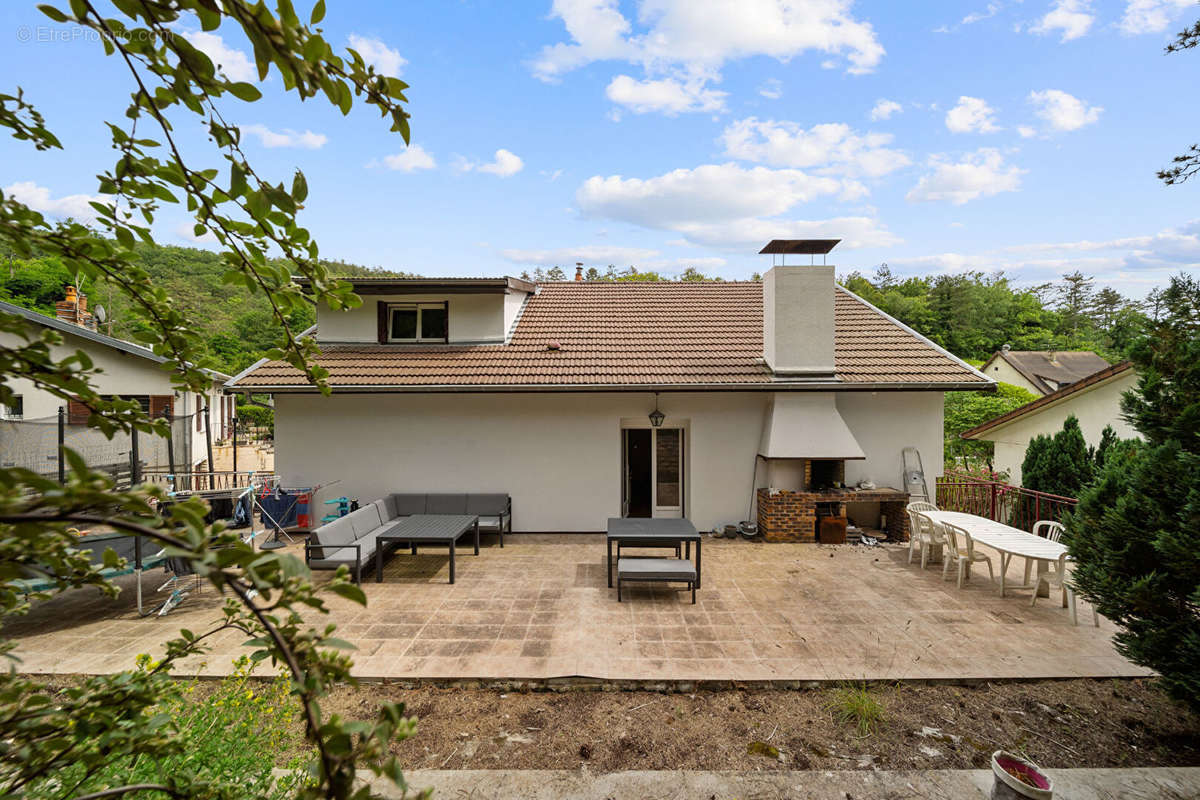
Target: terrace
x: 540, y: 609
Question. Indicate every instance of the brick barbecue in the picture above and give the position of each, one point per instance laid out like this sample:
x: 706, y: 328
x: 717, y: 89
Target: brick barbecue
x: 790, y: 515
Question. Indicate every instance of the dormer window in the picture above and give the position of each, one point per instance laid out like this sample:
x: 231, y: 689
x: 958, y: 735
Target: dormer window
x: 418, y: 322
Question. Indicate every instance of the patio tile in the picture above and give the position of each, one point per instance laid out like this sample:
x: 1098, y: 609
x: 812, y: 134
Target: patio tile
x: 541, y: 609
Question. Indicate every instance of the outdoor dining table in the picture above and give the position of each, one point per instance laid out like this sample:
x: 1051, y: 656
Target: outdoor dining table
x: 651, y: 532
x: 1008, y: 541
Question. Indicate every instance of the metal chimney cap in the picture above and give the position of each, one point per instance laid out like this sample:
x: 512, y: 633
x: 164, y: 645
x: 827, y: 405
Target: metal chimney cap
x: 799, y: 246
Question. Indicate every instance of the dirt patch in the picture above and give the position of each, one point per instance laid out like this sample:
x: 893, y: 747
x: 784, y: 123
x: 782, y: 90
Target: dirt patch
x: 1081, y: 723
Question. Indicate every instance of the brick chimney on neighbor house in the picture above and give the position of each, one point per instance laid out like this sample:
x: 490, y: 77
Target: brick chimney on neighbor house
x: 798, y: 310
x: 73, y: 309
x: 578, y: 270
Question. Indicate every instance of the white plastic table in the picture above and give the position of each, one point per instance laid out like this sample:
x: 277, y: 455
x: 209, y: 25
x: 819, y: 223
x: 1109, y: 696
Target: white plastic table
x: 1009, y: 542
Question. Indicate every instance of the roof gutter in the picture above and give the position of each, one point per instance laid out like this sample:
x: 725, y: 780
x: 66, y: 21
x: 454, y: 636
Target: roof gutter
x: 906, y: 386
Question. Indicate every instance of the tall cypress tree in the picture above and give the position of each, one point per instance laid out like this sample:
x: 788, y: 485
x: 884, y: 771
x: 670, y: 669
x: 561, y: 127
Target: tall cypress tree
x: 1134, y: 535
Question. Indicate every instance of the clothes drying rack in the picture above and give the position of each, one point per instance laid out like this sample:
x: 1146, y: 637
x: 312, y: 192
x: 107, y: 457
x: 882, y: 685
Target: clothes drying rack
x: 269, y: 484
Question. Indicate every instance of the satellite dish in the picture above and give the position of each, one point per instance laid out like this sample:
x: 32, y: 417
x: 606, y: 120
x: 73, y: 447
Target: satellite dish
x: 100, y: 314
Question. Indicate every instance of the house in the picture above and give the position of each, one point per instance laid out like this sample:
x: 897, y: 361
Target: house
x: 28, y: 427
x: 1095, y: 401
x: 589, y: 400
x: 1042, y: 371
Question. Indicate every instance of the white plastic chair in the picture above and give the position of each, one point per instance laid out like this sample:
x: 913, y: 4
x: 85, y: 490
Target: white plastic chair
x: 1054, y: 530
x: 1056, y: 578
x: 914, y: 525
x: 961, y: 553
x: 924, y: 534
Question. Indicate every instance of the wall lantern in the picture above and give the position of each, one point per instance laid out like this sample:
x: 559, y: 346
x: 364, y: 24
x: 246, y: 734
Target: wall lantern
x: 656, y: 416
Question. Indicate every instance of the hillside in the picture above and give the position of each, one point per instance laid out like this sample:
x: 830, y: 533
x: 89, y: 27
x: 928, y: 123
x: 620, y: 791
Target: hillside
x: 236, y: 326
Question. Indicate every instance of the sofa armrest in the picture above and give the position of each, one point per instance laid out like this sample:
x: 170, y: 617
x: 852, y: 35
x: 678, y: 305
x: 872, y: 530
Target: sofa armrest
x: 309, y: 547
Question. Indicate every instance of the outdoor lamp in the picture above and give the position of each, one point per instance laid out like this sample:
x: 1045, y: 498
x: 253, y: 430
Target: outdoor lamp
x: 656, y: 416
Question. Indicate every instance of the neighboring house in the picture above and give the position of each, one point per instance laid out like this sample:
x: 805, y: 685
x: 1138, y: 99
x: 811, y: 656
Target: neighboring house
x: 1095, y: 401
x: 546, y: 392
x: 28, y: 428
x: 1042, y: 371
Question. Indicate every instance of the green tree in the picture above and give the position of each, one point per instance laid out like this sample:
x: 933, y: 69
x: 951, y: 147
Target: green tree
x: 1133, y: 535
x: 1188, y: 164
x: 555, y: 274
x: 965, y: 410
x: 1060, y: 464
x: 110, y: 721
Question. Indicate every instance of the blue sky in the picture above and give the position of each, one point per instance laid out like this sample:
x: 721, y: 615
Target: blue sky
x: 934, y: 136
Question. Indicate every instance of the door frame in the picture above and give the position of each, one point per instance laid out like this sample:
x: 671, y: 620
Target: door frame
x: 684, y: 428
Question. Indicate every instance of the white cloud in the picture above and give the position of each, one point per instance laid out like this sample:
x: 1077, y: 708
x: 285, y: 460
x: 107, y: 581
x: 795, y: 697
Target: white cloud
x: 385, y: 60
x: 830, y: 147
x: 1063, y: 112
x: 772, y: 89
x: 971, y: 114
x: 689, y: 42
x: 1026, y: 131
x: 505, y: 164
x: 668, y: 95
x: 1072, y: 17
x: 979, y: 174
x: 588, y: 254
x: 1131, y: 264
x: 884, y: 109
x: 233, y: 62
x: 39, y: 198
x: 1151, y: 16
x: 724, y: 205
x: 978, y: 16
x: 410, y: 159
x: 286, y: 138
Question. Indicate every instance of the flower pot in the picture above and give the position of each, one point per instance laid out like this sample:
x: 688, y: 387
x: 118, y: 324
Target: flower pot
x: 1032, y: 783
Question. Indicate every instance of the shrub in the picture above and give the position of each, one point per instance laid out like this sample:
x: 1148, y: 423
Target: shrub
x: 1060, y: 464
x: 1133, y: 534
x: 257, y: 416
x: 231, y: 735
x: 858, y: 704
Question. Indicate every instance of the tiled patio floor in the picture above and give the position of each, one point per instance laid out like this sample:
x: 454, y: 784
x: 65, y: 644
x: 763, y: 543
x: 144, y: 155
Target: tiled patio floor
x: 539, y: 608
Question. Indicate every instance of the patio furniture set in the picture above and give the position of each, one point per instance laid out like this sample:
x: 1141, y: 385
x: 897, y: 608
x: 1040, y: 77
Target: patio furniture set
x: 950, y: 536
x: 630, y: 532
x: 375, y: 531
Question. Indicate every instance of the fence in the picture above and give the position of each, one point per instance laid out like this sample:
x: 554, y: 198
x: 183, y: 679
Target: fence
x: 201, y: 481
x: 34, y: 444
x: 1012, y: 505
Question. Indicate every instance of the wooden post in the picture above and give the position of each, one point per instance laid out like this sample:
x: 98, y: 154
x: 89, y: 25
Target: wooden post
x: 62, y: 440
x: 208, y: 442
x: 134, y: 465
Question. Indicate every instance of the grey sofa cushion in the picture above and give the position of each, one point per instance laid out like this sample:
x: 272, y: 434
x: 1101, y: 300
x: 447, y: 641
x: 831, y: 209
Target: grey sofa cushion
x: 387, y: 507
x: 487, y: 505
x: 445, y: 504
x: 365, y: 520
x: 339, y: 531
x: 408, y: 504
x: 332, y: 558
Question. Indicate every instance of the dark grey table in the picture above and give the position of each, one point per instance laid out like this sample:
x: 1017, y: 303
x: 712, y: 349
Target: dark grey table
x: 422, y: 529
x: 659, y: 532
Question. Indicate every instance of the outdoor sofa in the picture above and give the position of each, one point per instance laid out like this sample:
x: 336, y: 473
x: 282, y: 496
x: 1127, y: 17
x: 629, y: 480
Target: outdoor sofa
x: 351, y: 540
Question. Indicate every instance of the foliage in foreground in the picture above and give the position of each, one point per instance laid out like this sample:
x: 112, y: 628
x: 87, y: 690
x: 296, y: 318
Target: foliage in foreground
x: 230, y: 735
x: 114, y: 721
x: 1133, y: 534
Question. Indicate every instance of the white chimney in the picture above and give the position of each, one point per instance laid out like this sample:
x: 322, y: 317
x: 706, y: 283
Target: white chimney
x: 798, y: 313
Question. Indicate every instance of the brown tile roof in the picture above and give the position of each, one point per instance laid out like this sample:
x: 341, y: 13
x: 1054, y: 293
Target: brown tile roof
x: 1049, y: 370
x: 635, y: 334
x: 1103, y: 375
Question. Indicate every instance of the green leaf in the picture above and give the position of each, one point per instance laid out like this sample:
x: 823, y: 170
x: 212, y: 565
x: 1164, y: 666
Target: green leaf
x: 318, y: 13
x: 245, y: 91
x: 299, y: 187
x: 53, y: 13
x: 350, y: 591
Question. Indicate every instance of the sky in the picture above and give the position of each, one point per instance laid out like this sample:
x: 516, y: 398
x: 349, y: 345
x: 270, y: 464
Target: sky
x: 935, y: 137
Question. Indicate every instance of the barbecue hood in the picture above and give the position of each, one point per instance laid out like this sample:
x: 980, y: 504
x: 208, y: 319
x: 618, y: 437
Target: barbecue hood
x: 807, y: 425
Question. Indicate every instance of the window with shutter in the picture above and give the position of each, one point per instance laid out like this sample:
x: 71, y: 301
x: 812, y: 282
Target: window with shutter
x: 162, y: 405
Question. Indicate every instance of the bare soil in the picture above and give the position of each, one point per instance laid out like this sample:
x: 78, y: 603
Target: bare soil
x: 1076, y: 723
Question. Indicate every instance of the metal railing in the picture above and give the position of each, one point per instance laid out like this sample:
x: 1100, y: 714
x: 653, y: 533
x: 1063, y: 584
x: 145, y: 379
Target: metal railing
x: 1002, y: 502
x: 204, y: 480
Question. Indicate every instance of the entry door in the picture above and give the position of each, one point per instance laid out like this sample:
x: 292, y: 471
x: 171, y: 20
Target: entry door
x: 652, y: 474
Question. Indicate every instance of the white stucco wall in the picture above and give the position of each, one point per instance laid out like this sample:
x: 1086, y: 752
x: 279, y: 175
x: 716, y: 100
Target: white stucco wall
x: 473, y: 317
x: 1095, y: 409
x: 558, y: 455
x: 1000, y: 370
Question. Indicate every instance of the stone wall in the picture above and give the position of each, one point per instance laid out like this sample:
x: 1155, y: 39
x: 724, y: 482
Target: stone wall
x: 786, y: 516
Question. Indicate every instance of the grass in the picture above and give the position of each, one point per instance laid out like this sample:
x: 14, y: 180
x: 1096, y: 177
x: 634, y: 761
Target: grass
x: 860, y: 705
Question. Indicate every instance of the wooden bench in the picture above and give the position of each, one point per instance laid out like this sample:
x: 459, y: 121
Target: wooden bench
x: 660, y: 570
